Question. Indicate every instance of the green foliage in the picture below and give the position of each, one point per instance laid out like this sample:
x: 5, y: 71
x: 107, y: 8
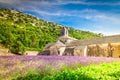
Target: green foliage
x: 31, y: 77
x: 30, y: 32
x: 104, y: 71
x: 18, y: 48
x: 82, y: 34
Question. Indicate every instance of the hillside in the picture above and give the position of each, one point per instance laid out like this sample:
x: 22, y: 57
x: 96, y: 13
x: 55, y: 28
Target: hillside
x: 20, y: 32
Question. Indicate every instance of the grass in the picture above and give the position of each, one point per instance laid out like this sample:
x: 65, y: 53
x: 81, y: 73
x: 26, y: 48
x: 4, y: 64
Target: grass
x: 104, y: 71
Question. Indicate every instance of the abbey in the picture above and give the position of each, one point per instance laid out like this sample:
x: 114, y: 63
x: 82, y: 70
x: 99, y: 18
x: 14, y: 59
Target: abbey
x: 108, y: 46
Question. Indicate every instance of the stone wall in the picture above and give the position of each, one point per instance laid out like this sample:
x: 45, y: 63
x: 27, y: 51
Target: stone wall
x: 115, y: 49
x: 32, y: 52
x: 84, y: 42
x: 101, y: 50
x: 105, y: 50
x: 79, y: 51
x: 69, y: 52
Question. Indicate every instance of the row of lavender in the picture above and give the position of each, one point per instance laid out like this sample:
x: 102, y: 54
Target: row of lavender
x: 11, y: 64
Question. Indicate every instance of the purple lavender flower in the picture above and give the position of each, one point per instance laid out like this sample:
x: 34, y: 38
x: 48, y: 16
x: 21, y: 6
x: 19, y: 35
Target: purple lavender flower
x: 11, y: 64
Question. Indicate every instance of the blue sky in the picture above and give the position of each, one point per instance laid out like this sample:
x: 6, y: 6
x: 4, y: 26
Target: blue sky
x: 99, y: 16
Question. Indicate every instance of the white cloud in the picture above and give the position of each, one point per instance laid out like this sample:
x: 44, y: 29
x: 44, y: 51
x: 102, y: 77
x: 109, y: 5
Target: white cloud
x: 89, y: 14
x: 65, y: 2
x: 105, y: 32
x: 9, y: 1
x: 61, y: 2
x: 104, y: 29
x: 103, y: 21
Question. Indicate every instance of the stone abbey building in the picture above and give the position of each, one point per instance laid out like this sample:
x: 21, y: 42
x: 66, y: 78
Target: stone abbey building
x: 108, y: 46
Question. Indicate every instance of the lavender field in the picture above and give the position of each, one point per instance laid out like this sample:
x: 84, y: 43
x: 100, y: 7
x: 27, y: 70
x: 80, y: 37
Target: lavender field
x: 12, y: 67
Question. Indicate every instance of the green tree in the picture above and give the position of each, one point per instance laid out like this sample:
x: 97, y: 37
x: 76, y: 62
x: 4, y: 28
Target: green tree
x: 18, y: 48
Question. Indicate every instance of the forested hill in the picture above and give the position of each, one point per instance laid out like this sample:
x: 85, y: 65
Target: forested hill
x: 20, y: 32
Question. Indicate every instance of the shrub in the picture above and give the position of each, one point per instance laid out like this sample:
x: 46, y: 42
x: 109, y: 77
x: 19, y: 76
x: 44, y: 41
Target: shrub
x: 103, y: 71
x: 18, y: 48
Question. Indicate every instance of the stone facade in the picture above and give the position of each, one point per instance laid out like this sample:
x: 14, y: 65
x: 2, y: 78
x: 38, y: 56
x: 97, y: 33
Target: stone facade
x: 105, y: 49
x: 108, y: 46
x: 58, y: 47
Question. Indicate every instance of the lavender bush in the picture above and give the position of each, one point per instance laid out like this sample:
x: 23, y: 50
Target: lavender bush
x: 19, y: 65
